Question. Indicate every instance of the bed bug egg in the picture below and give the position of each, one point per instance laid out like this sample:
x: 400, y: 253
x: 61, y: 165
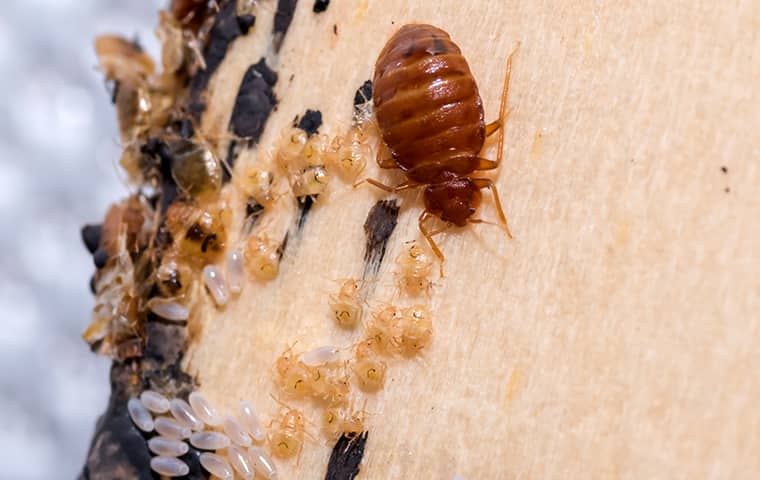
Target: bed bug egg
x: 183, y: 412
x: 171, y: 428
x: 154, y: 401
x: 168, y: 309
x: 235, y: 271
x: 251, y: 421
x: 235, y: 431
x: 320, y: 356
x: 347, y: 304
x: 169, y: 466
x: 262, y: 463
x: 203, y: 409
x: 167, y: 447
x: 240, y: 462
x: 140, y: 415
x: 208, y: 440
x: 216, y: 284
x: 415, y: 329
x: 216, y: 465
x: 262, y: 257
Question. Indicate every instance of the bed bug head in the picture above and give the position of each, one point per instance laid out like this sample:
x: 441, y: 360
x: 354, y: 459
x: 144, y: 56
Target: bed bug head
x: 453, y: 200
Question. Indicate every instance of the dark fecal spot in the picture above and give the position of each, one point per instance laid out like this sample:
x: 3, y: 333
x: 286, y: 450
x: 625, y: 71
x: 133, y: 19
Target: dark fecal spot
x: 727, y: 190
x: 335, y: 29
x: 245, y: 22
x: 91, y: 237
x: 380, y: 223
x: 207, y: 242
x: 346, y: 457
x: 283, y: 246
x: 232, y: 154
x: 253, y: 208
x: 304, y: 207
x: 100, y: 257
x: 226, y: 28
x: 255, y: 101
x: 282, y: 18
x: 321, y: 5
x: 363, y: 94
x: 114, y: 88
x: 193, y: 460
x: 118, y: 448
x: 724, y: 169
x: 185, y: 128
x: 310, y: 122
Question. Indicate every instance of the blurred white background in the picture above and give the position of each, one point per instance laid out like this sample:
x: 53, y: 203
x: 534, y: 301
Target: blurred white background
x: 58, y: 151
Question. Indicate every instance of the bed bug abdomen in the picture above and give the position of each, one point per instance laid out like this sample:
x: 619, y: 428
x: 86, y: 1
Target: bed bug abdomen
x: 427, y: 104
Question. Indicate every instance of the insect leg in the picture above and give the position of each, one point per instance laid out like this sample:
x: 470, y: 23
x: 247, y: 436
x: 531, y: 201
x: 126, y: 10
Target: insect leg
x: 384, y: 158
x: 498, y: 124
x: 424, y: 216
x: 486, y: 183
x: 398, y: 188
x: 486, y: 164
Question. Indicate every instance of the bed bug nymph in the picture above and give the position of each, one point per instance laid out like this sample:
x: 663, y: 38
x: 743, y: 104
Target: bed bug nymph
x: 430, y: 116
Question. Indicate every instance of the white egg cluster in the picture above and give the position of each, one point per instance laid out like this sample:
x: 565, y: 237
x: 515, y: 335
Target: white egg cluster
x: 227, y: 280
x: 229, y: 443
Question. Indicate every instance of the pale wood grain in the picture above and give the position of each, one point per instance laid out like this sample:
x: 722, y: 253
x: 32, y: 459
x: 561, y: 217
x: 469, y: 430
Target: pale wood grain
x: 616, y: 335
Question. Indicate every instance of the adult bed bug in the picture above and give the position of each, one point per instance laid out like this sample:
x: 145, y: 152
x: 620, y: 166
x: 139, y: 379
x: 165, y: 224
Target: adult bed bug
x: 430, y: 115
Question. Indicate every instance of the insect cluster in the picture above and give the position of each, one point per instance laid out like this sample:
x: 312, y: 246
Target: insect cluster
x: 228, y: 446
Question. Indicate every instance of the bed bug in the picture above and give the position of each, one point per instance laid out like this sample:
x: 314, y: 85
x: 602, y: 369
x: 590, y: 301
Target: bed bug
x: 287, y: 432
x: 430, y: 116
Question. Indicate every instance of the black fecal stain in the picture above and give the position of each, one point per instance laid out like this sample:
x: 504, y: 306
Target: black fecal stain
x: 727, y: 190
x: 91, y: 237
x: 363, y: 94
x: 114, y: 87
x: 193, y: 460
x: 346, y: 457
x: 310, y: 122
x: 158, y: 150
x: 724, y: 169
x: 118, y: 449
x: 304, y: 207
x: 380, y: 223
x: 335, y: 29
x: 226, y: 28
x: 283, y: 246
x: 282, y: 18
x: 321, y: 5
x: 245, y: 22
x: 100, y: 257
x: 255, y: 101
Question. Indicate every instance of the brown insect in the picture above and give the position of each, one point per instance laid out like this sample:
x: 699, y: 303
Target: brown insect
x: 430, y: 116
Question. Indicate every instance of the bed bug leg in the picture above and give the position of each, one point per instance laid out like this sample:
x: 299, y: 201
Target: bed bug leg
x: 486, y: 183
x: 499, y: 123
x: 424, y: 216
x: 384, y: 158
x: 398, y: 188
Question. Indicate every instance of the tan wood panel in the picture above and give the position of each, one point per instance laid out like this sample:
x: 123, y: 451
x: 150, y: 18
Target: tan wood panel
x: 615, y: 336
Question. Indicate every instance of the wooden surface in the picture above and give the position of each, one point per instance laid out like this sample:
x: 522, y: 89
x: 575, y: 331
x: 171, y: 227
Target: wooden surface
x: 616, y: 335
